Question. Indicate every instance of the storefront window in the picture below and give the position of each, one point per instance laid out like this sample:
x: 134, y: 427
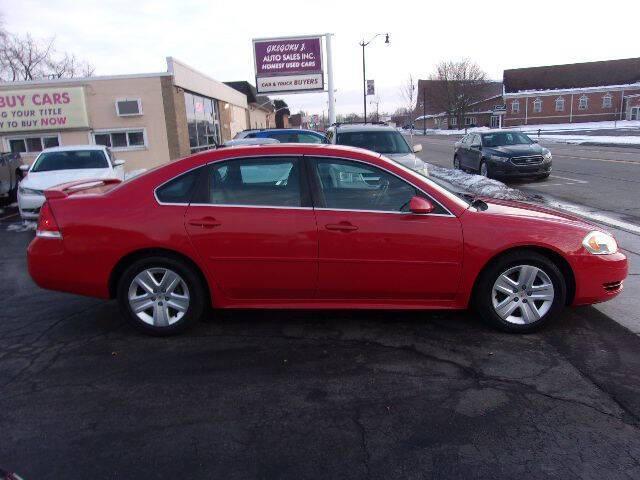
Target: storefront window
x: 202, y: 122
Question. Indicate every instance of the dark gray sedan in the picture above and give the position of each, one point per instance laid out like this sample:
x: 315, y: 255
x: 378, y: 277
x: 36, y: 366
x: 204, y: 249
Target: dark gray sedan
x: 502, y: 153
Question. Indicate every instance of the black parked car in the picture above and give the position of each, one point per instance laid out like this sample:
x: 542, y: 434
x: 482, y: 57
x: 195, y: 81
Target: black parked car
x: 502, y: 154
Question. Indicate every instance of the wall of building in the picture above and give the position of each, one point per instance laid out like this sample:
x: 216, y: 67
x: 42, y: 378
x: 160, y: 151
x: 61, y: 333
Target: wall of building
x: 572, y: 113
x: 101, y: 94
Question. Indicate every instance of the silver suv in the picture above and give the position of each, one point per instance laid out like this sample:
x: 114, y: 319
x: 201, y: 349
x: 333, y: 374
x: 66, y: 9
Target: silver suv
x: 380, y: 138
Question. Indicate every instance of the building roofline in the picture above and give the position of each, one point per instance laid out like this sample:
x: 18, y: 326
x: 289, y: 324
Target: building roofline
x: 4, y: 85
x: 565, y: 91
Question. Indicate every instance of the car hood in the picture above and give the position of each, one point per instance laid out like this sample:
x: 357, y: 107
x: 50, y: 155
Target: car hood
x: 517, y: 150
x: 44, y: 180
x: 512, y: 208
x: 408, y: 160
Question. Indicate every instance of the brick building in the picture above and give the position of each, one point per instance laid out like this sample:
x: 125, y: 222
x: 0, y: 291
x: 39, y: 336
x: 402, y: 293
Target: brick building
x: 579, y: 92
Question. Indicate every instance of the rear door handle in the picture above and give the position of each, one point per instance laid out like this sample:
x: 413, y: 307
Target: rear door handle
x: 342, y: 226
x: 206, y: 222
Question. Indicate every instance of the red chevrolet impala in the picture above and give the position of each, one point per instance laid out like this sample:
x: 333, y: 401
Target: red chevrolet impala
x: 313, y: 226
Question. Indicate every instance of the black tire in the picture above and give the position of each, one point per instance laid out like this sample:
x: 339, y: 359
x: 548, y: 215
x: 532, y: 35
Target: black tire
x: 483, y: 294
x: 482, y: 162
x: 196, y: 290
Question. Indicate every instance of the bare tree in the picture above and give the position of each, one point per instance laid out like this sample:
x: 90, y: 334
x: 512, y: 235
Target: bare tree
x: 408, y: 94
x: 26, y: 58
x: 456, y: 84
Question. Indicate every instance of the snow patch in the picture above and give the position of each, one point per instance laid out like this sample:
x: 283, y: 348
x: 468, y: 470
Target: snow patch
x: 24, y: 226
x: 476, y: 184
x: 603, y: 139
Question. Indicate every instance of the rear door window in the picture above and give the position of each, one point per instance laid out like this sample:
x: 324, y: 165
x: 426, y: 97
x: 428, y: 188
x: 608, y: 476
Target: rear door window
x: 271, y: 181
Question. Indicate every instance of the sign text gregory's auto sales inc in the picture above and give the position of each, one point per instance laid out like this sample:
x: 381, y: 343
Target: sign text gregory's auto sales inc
x: 42, y: 109
x: 288, y: 64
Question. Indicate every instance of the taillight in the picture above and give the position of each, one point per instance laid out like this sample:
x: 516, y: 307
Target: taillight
x: 47, y: 225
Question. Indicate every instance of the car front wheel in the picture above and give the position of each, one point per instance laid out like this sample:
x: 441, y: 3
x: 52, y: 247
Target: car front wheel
x: 520, y: 292
x: 161, y: 296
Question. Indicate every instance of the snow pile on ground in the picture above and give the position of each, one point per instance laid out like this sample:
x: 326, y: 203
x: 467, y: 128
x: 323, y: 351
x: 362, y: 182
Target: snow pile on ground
x: 134, y: 173
x: 567, y: 127
x: 24, y: 226
x: 476, y: 184
x: 595, y: 139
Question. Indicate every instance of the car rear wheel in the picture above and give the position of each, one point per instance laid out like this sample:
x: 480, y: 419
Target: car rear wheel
x: 484, y: 169
x: 161, y: 295
x: 520, y: 292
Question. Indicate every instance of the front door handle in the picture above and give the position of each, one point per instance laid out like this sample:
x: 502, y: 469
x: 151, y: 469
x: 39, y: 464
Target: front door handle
x: 342, y: 226
x: 206, y: 222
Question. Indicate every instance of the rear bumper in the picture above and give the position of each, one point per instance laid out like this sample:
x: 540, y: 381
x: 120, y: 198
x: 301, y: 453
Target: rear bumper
x: 53, y: 268
x: 599, y: 277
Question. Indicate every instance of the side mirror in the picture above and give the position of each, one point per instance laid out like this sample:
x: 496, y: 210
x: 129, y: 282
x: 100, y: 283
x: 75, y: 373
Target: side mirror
x: 420, y: 206
x: 117, y: 163
x: 24, y: 168
x: 417, y: 148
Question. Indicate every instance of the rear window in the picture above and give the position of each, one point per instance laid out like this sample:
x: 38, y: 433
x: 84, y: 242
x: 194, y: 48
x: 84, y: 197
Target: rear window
x: 180, y: 189
x: 70, y: 160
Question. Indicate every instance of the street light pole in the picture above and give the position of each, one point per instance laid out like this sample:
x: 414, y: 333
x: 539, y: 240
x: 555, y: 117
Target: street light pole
x: 424, y: 110
x: 364, y: 70
x: 364, y: 84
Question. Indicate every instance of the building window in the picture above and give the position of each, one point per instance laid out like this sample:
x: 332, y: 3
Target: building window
x: 453, y: 121
x: 583, y: 103
x: 129, y: 107
x: 32, y: 144
x: 537, y: 106
x: 515, y: 106
x: 133, y: 139
x: 607, y: 101
x: 469, y: 121
x: 203, y: 122
x: 560, y: 104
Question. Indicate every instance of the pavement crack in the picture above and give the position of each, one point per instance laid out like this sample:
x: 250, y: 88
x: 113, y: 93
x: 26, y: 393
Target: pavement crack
x: 363, y: 444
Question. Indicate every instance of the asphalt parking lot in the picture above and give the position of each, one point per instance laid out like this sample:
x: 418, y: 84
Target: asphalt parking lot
x: 294, y: 394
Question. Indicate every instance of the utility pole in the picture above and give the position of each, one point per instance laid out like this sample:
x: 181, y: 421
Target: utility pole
x: 364, y: 70
x: 330, y: 87
x: 424, y: 109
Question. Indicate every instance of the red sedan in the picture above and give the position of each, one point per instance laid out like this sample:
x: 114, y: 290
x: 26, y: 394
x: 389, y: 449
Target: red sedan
x: 313, y: 226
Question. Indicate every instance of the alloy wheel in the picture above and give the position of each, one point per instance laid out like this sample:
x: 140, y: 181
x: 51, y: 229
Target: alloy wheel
x: 522, y: 294
x: 158, y: 297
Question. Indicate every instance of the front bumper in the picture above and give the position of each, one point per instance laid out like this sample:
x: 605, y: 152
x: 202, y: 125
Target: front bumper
x: 598, y: 277
x: 29, y: 205
x: 507, y: 169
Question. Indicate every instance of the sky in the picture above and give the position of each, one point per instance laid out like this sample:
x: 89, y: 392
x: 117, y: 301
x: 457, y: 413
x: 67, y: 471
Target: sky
x: 134, y: 36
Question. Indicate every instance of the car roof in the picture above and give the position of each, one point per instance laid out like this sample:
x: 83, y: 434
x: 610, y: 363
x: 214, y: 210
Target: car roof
x: 287, y: 130
x: 70, y: 148
x: 362, y: 127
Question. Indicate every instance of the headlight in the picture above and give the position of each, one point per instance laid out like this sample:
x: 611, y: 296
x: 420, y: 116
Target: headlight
x: 29, y: 191
x: 498, y: 158
x: 547, y: 155
x: 600, y: 243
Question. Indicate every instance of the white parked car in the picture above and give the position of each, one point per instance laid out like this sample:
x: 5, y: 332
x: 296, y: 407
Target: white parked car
x: 54, y: 166
x: 380, y: 138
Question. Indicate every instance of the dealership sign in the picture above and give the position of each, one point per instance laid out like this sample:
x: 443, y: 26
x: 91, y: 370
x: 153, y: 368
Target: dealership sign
x: 288, y: 64
x: 42, y: 109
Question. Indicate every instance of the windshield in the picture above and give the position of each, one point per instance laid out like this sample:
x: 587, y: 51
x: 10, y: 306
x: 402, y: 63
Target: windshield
x: 70, y: 160
x: 381, y: 141
x: 505, y: 138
